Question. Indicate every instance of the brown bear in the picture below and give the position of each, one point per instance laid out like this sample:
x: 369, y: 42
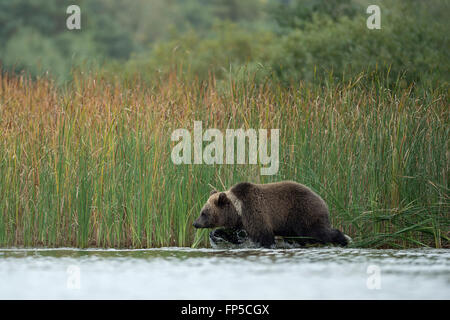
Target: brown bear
x: 286, y: 209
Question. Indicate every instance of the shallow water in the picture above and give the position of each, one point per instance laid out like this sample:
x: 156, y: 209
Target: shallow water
x: 180, y: 273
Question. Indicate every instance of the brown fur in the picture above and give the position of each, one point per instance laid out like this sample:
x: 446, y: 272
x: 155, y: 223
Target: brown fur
x: 287, y: 209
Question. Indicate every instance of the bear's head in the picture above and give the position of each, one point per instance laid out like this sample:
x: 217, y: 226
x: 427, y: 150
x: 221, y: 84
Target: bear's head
x: 219, y: 211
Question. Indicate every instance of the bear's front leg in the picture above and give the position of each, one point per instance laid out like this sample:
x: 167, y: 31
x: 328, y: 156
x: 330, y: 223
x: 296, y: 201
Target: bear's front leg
x: 258, y: 229
x: 265, y: 239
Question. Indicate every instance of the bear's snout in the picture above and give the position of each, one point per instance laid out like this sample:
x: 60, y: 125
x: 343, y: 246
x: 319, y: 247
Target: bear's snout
x: 202, y: 221
x: 199, y: 224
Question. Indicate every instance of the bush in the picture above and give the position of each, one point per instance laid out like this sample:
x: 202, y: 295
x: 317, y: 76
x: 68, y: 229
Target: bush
x: 409, y: 45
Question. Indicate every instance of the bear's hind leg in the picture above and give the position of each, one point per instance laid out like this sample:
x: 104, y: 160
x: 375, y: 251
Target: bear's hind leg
x: 338, y: 237
x: 328, y: 235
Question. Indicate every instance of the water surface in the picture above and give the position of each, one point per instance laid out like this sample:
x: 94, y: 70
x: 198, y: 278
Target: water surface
x: 181, y: 273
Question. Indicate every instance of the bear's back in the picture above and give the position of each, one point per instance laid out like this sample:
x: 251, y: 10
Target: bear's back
x: 281, y: 194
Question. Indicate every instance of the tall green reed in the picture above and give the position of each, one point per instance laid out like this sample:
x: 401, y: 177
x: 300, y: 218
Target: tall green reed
x: 90, y: 165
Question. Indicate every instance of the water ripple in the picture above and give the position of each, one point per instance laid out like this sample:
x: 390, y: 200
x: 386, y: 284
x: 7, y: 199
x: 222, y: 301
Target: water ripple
x: 184, y: 273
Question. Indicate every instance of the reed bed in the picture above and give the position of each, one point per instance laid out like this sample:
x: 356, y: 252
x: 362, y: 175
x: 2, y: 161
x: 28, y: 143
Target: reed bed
x: 89, y: 165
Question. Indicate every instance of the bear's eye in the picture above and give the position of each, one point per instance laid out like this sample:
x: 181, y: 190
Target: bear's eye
x: 203, y: 214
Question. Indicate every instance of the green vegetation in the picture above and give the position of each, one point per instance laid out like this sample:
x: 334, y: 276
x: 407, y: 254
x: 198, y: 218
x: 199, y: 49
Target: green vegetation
x: 91, y: 166
x: 86, y: 116
x: 284, y: 40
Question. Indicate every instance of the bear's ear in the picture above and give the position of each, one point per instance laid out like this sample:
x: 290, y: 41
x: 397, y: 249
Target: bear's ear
x: 212, y: 192
x: 222, y: 199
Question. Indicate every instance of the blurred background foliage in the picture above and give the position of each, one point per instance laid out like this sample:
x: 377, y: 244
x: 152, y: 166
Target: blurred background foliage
x: 276, y: 40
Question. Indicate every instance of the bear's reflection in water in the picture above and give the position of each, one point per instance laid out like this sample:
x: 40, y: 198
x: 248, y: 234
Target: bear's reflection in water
x: 229, y: 238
